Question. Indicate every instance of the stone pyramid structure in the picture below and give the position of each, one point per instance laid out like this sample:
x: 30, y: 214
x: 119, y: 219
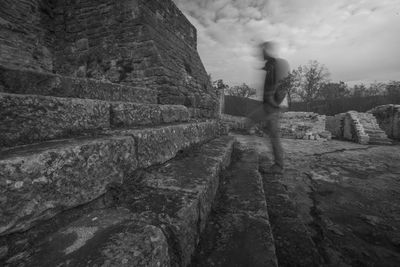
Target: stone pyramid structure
x: 110, y: 146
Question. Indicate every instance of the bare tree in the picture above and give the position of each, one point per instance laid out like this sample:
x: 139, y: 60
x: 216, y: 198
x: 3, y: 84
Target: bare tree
x: 310, y: 79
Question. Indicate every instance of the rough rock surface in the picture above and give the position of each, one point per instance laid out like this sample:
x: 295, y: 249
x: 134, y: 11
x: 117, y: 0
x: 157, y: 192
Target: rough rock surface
x: 134, y: 114
x: 347, y: 197
x: 25, y: 119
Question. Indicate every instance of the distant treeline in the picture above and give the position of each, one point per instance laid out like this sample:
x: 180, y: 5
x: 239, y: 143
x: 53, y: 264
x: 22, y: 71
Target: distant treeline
x: 339, y: 105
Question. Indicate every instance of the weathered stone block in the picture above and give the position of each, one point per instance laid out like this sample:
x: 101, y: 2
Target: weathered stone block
x: 26, y: 119
x: 174, y: 113
x: 133, y: 114
x: 39, y: 181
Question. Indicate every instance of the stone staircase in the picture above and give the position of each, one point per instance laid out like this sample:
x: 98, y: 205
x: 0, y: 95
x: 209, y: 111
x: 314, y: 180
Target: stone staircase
x: 86, y: 181
x: 66, y: 141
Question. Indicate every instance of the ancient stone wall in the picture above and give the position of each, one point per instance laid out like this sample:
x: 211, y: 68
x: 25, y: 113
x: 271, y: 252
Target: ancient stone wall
x: 146, y: 43
x: 304, y: 125
x: 134, y: 42
x: 26, y: 34
x: 358, y: 127
x: 388, y: 117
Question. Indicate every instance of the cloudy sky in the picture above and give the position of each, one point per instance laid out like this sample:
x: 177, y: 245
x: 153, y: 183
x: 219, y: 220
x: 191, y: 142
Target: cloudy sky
x: 357, y: 40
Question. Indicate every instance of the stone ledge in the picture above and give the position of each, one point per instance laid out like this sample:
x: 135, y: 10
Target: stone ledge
x: 47, y: 84
x: 26, y: 119
x: 38, y: 181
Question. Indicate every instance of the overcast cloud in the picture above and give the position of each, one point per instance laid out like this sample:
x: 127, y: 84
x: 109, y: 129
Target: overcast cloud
x: 358, y: 40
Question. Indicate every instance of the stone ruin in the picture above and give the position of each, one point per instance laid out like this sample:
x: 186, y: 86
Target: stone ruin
x: 293, y: 125
x: 93, y: 94
x: 110, y: 146
x: 358, y: 127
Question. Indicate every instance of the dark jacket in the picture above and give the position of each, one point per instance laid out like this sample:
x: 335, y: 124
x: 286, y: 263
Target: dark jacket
x: 276, y: 70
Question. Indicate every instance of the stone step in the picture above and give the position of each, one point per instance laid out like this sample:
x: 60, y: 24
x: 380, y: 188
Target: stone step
x: 377, y: 137
x: 239, y: 232
x: 156, y: 219
x: 40, y: 180
x: 26, y: 119
x: 47, y: 84
x: 294, y: 243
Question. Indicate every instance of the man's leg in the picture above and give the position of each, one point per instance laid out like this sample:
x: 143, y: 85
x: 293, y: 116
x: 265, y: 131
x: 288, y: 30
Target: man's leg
x: 276, y: 140
x: 273, y: 130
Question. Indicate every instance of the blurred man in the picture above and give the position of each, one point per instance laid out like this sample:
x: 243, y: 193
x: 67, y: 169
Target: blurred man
x: 276, y: 70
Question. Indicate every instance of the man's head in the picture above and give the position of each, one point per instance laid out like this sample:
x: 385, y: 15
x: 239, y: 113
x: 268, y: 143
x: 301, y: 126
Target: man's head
x: 269, y: 49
